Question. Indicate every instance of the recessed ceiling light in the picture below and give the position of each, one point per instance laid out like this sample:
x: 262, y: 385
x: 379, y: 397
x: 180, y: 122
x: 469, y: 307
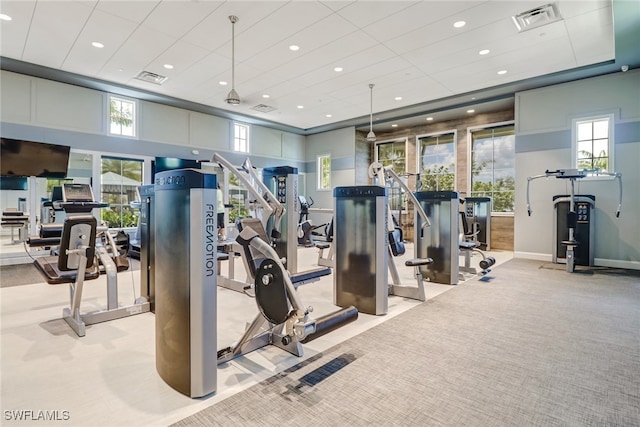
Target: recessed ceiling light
x: 398, y: 98
x: 328, y: 115
x: 5, y: 17
x: 265, y: 95
x: 471, y: 111
x: 484, y: 52
x: 300, y: 107
x: 502, y: 72
x: 394, y: 125
x: 97, y: 44
x: 429, y: 119
x: 223, y: 83
x: 337, y: 69
x: 459, y: 24
x: 294, y: 47
x: 168, y: 66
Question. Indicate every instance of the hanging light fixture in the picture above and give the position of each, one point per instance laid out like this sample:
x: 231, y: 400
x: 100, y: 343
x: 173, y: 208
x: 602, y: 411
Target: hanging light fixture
x: 233, y: 98
x: 371, y: 137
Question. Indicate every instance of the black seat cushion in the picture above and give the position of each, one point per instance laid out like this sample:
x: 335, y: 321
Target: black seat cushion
x: 48, y: 267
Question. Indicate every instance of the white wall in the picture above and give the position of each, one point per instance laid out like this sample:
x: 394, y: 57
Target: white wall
x: 340, y: 144
x: 543, y: 141
x: 48, y: 111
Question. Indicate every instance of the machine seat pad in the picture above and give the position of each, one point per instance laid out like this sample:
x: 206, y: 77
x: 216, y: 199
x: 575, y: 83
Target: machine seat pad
x: 322, y: 245
x: 467, y: 245
x: 309, y: 275
x: 48, y: 267
x: 416, y: 262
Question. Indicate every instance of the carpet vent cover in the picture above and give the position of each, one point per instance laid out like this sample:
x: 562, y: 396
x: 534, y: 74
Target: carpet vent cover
x: 537, y: 17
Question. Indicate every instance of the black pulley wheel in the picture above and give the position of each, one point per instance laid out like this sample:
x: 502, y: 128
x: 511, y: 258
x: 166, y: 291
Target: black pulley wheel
x: 271, y: 293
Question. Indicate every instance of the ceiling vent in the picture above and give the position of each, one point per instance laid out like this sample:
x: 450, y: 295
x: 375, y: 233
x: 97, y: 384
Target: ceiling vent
x: 147, y: 76
x: 537, y: 17
x: 263, y: 108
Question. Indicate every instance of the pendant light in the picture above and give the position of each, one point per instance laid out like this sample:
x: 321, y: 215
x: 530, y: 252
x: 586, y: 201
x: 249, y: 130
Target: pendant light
x: 233, y: 98
x: 371, y: 137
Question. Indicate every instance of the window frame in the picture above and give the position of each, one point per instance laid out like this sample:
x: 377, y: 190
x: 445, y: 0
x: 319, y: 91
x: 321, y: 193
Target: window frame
x: 455, y: 154
x: 470, y: 130
x: 393, y: 141
x: 99, y: 158
x: 235, y: 137
x: 319, y: 167
x: 134, y: 125
x: 610, y: 117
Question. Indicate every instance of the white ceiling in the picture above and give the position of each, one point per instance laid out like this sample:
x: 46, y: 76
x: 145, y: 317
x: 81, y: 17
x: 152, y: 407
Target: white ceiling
x: 408, y: 49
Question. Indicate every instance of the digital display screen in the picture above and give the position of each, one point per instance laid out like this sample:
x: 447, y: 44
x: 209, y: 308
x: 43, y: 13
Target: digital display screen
x: 29, y: 158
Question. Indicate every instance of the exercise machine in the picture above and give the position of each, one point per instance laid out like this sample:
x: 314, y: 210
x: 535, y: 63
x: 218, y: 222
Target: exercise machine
x: 186, y: 275
x: 575, y: 217
x: 477, y: 221
x: 441, y: 242
x: 282, y: 321
x: 185, y: 246
x: 80, y: 241
x: 383, y: 176
x: 277, y: 189
x: 361, y: 248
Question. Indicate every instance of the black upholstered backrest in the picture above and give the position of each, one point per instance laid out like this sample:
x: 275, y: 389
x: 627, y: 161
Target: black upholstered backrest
x: 254, y: 257
x: 78, y: 230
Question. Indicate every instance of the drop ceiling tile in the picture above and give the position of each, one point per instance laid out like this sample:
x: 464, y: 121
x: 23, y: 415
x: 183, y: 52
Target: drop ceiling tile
x: 174, y: 19
x: 415, y: 17
x: 135, y: 11
x: 13, y: 33
x: 214, y: 31
x: 102, y: 27
x: 54, y: 28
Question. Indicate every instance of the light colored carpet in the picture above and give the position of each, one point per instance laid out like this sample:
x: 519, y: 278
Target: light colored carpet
x: 531, y: 345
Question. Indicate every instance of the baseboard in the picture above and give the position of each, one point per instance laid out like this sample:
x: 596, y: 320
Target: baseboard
x: 533, y: 255
x: 616, y: 263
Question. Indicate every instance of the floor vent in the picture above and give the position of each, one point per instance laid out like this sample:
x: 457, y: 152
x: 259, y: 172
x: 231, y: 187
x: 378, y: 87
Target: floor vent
x: 147, y: 76
x: 537, y: 17
x: 263, y: 108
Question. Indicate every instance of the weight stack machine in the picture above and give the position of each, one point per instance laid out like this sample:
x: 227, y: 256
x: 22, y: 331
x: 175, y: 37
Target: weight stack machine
x: 440, y: 241
x: 361, y: 248
x: 185, y: 280
x: 283, y: 183
x: 583, y: 228
x: 478, y: 215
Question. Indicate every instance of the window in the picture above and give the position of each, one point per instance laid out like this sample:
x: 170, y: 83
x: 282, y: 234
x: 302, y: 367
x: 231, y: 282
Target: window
x: 394, y: 154
x: 437, y: 161
x: 122, y: 116
x: 592, y: 143
x: 240, y: 137
x: 324, y: 172
x: 119, y: 180
x: 493, y: 166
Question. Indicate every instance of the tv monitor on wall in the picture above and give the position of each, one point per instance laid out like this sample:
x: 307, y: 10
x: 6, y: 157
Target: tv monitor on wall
x: 161, y: 164
x: 29, y: 158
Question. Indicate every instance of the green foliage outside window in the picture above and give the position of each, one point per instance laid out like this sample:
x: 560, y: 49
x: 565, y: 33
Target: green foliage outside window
x: 438, y: 179
x: 493, y: 166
